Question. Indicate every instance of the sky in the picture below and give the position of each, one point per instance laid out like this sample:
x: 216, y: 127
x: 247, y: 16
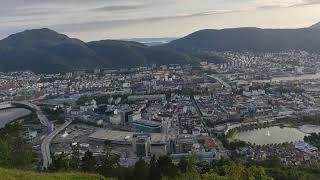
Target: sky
x: 122, y: 19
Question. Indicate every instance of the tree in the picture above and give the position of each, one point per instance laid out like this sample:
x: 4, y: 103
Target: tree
x: 167, y: 168
x: 203, y: 166
x: 14, y: 151
x: 154, y: 171
x: 88, y: 162
x: 59, y: 163
x: 183, y: 165
x: 141, y: 170
x: 75, y: 157
x: 211, y: 175
x: 109, y: 163
x: 234, y: 171
x: 256, y: 173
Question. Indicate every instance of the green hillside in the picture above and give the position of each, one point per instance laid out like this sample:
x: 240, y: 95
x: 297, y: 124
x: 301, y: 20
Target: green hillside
x: 46, y: 51
x: 250, y: 39
x: 6, y: 174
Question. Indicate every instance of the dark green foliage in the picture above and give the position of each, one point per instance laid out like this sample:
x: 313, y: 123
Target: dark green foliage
x: 141, y: 170
x: 75, y: 158
x: 252, y: 39
x: 166, y: 166
x: 14, y: 151
x: 59, y: 163
x: 296, y: 122
x: 54, y: 114
x: 191, y: 168
x: 183, y: 165
x: 88, y: 162
x: 203, y: 166
x: 154, y: 172
x: 291, y: 174
x: 313, y: 139
x: 207, y: 56
x: 46, y: 51
x: 234, y: 144
x: 110, y: 165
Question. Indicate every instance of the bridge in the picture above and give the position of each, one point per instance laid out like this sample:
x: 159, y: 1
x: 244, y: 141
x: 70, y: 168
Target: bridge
x: 45, y: 145
x: 42, y: 118
x: 225, y: 84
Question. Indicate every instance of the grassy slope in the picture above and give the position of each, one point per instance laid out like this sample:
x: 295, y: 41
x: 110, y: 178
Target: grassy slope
x: 29, y: 175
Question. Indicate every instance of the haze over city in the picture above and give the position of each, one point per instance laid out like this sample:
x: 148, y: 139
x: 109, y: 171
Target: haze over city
x: 121, y: 19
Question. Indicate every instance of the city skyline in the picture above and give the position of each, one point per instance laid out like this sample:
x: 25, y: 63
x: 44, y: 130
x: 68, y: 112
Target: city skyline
x: 123, y: 19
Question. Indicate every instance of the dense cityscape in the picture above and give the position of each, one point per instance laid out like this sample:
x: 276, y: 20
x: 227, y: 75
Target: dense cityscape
x: 252, y: 107
x: 159, y: 90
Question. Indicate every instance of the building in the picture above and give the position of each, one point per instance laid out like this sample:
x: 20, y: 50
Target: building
x: 154, y: 97
x: 141, y: 145
x: 147, y: 126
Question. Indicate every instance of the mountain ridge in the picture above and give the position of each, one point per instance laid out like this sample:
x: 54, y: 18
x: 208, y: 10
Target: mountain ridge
x: 250, y: 38
x: 46, y: 51
x: 315, y: 26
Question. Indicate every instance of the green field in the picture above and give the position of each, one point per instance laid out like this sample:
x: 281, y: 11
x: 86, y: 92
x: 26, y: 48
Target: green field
x: 29, y: 175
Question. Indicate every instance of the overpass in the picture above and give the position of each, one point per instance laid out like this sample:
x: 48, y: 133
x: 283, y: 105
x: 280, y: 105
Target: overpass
x: 42, y: 118
x: 45, y: 145
x: 225, y: 84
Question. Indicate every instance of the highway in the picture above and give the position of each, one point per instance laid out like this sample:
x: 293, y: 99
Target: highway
x: 42, y: 118
x: 45, y: 145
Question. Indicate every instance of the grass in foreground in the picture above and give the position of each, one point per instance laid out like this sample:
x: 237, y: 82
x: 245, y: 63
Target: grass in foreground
x: 6, y: 174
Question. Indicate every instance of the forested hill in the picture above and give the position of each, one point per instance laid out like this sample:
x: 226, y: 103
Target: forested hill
x: 251, y: 39
x: 46, y: 51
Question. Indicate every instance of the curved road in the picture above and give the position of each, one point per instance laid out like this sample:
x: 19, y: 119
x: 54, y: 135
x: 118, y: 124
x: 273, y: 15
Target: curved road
x: 43, y: 119
x: 45, y: 145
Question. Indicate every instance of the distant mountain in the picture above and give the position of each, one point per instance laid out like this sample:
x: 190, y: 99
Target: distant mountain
x: 46, y: 51
x: 152, y: 41
x: 315, y: 26
x: 253, y: 39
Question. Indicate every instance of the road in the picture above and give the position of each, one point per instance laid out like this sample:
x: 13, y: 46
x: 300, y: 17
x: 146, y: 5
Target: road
x: 225, y: 84
x: 42, y: 118
x: 45, y: 145
x: 195, y: 104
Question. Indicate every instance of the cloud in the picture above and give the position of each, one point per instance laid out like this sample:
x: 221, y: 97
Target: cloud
x: 307, y: 3
x: 70, y: 16
x: 270, y: 4
x: 119, y: 7
x: 110, y: 24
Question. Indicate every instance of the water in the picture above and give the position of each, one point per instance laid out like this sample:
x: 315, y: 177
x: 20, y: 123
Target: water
x: 310, y: 129
x: 271, y: 135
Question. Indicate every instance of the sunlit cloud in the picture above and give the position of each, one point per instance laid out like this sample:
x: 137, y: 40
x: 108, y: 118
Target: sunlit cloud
x: 127, y: 18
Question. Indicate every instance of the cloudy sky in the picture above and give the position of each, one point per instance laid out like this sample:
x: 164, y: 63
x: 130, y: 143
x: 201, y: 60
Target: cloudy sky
x: 120, y: 19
